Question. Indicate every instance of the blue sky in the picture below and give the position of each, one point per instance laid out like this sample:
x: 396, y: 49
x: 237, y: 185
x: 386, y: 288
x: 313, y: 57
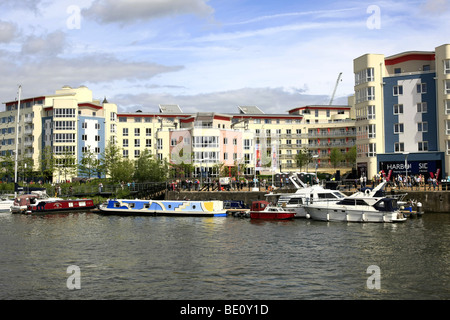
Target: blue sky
x: 206, y: 55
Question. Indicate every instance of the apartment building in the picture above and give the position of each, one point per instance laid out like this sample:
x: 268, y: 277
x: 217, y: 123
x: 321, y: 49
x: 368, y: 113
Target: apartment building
x: 401, y: 115
x: 72, y: 121
x: 69, y: 122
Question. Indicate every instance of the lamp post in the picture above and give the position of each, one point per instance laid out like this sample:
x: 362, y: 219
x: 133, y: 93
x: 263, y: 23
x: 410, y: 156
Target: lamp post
x: 315, y: 162
x: 406, y: 167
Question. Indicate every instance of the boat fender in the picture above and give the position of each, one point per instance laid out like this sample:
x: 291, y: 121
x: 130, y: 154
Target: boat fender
x: 367, y: 191
x: 308, y: 216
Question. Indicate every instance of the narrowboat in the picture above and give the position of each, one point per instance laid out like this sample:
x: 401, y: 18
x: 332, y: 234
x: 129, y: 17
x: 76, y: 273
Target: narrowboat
x: 196, y: 208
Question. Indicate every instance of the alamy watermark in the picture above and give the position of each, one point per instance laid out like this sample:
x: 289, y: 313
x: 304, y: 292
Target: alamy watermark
x: 74, y: 19
x: 374, y: 280
x: 374, y: 20
x: 74, y: 280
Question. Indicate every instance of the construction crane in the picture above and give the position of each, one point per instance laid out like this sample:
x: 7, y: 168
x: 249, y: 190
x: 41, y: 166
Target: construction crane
x: 335, y: 87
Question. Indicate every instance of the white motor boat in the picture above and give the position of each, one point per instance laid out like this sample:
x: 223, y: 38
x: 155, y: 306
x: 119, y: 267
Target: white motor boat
x: 357, y: 209
x: 5, y: 205
x: 306, y: 195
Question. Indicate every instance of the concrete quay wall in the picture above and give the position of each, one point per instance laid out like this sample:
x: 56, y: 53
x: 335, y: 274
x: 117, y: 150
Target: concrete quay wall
x: 432, y: 201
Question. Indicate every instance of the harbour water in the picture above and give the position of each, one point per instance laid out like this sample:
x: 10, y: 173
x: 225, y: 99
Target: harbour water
x: 188, y: 258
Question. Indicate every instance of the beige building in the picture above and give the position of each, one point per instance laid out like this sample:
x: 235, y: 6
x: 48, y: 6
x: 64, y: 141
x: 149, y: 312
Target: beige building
x: 73, y: 121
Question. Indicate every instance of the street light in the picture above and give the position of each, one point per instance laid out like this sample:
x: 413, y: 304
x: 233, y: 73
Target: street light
x: 315, y: 157
x: 406, y: 166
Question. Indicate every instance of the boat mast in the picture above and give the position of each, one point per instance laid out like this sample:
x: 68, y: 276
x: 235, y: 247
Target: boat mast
x: 17, y: 144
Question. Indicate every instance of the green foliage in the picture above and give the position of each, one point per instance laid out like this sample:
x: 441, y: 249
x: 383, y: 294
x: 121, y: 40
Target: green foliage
x: 150, y: 169
x: 336, y: 157
x: 303, y: 158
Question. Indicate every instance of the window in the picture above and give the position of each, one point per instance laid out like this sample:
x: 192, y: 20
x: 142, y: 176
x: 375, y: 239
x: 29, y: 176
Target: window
x: 422, y: 107
x: 173, y: 142
x: 370, y: 112
x: 365, y: 94
x: 447, y: 127
x: 447, y: 106
x: 84, y: 137
x: 398, y: 90
x: 364, y: 76
x: 97, y: 126
x: 97, y: 138
x: 65, y: 125
x: 84, y: 125
x: 159, y: 144
x: 446, y: 66
x: 448, y: 147
x: 64, y: 137
x: 399, y: 147
x: 422, y: 126
x: 125, y: 153
x: 125, y: 132
x: 137, y: 153
x: 447, y: 87
x: 137, y: 132
x: 398, y: 128
x: 64, y: 113
x: 148, y: 131
x: 398, y: 108
x: 247, y: 144
x: 397, y: 70
x: 225, y: 156
x: 122, y: 119
x: 148, y: 143
x: 421, y: 88
x: 225, y: 140
x: 426, y: 67
x: 234, y: 142
x: 371, y: 130
x: 423, y: 146
x: 372, y: 152
x: 137, y: 143
x: 125, y: 143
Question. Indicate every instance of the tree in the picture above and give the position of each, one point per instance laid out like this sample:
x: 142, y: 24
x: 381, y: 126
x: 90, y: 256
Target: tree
x: 66, y: 163
x: 303, y: 158
x: 47, y: 164
x: 88, y: 165
x: 124, y: 170
x: 350, y: 156
x: 111, y: 157
x: 150, y: 169
x: 7, y: 166
x: 336, y: 157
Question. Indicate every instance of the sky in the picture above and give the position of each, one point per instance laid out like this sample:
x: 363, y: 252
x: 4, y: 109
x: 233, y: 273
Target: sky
x: 206, y: 55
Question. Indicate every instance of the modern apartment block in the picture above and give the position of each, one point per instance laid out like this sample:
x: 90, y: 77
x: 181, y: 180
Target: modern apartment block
x: 72, y: 121
x: 401, y: 113
x: 68, y: 122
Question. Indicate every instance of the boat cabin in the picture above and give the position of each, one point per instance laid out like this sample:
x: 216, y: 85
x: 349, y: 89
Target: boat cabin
x: 259, y: 205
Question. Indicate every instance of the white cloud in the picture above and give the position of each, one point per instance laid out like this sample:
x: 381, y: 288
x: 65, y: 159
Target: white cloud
x: 126, y: 11
x: 270, y: 100
x: 8, y: 31
x: 49, y: 45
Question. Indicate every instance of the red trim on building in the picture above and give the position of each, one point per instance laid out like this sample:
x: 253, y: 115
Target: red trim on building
x: 222, y: 118
x: 294, y: 117
x: 156, y: 115
x: 409, y: 57
x: 90, y: 105
x: 24, y: 100
x: 319, y: 108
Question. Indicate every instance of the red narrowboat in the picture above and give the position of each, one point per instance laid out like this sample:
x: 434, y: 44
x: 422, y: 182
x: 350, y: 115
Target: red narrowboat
x: 60, y: 206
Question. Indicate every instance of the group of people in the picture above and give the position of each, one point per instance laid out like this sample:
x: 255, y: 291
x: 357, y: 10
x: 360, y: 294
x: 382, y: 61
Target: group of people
x: 411, y: 181
x: 209, y: 184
